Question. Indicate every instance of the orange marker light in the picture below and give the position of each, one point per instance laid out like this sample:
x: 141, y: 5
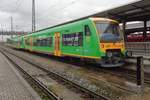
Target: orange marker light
x: 102, y: 45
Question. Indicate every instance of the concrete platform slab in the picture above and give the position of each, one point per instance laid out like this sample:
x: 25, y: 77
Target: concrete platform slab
x: 12, y: 85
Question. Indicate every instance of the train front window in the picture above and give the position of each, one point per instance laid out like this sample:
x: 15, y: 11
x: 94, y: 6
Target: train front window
x: 109, y: 32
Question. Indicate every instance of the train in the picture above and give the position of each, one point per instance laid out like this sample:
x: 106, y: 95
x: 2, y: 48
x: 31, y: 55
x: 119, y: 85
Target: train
x: 138, y: 38
x: 92, y: 39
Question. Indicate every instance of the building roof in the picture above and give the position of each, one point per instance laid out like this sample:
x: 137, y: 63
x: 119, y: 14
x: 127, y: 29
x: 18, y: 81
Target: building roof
x: 137, y: 11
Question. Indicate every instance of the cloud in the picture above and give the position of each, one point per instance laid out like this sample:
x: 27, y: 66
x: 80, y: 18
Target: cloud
x: 51, y: 12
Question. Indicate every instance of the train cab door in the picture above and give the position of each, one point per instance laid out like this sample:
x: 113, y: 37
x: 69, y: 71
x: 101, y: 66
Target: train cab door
x: 57, y: 44
x: 88, y: 46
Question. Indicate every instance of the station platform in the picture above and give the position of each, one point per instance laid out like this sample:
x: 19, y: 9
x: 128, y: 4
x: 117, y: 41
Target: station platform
x: 12, y: 85
x: 147, y: 57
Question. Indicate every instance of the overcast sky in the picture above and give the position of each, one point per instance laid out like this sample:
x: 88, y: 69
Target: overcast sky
x: 50, y: 12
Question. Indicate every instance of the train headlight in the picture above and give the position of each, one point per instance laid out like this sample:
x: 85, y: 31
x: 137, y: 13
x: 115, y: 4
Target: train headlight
x: 109, y: 54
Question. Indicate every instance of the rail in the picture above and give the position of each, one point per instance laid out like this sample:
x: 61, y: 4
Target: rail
x: 85, y: 90
x: 41, y: 86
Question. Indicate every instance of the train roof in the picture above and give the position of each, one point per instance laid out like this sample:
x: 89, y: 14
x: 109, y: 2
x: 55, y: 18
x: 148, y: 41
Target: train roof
x: 102, y: 19
x: 90, y: 18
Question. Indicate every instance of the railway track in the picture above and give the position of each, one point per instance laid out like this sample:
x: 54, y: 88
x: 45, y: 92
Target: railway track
x: 32, y: 80
x: 129, y: 74
x: 57, y: 77
x: 119, y: 71
x: 95, y: 68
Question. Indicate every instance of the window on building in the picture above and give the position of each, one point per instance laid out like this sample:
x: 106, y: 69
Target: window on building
x: 73, y: 39
x: 87, y: 30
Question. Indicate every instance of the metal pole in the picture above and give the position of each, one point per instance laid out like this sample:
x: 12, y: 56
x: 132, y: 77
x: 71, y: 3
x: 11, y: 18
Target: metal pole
x: 124, y: 33
x: 145, y: 35
x: 140, y: 73
x: 11, y: 25
x: 2, y: 33
x: 145, y: 30
x: 33, y: 16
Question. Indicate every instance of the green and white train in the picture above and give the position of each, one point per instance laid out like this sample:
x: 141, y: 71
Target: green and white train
x: 95, y: 39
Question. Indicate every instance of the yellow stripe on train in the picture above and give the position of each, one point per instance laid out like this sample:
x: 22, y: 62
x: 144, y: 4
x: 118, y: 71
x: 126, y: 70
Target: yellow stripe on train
x: 106, y: 46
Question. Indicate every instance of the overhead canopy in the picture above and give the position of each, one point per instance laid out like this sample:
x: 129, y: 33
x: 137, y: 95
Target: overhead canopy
x: 138, y: 11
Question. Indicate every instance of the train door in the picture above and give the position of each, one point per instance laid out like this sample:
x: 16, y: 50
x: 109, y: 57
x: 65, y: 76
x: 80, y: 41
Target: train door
x: 18, y: 45
x: 57, y: 44
x: 88, y: 43
x: 31, y: 43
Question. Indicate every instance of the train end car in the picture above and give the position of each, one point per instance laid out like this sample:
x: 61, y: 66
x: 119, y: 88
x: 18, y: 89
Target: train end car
x: 111, y: 42
x: 16, y: 42
x: 13, y: 42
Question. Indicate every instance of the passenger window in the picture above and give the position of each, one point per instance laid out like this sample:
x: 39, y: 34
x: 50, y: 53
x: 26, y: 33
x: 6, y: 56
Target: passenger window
x: 80, y: 42
x: 72, y: 39
x: 43, y: 42
x: 87, y: 30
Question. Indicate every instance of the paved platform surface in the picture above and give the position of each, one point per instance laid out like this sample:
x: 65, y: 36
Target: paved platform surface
x: 144, y: 56
x: 12, y: 85
x: 146, y: 60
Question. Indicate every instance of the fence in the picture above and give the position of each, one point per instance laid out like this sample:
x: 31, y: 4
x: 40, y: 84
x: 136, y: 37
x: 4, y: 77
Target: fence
x: 139, y: 48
